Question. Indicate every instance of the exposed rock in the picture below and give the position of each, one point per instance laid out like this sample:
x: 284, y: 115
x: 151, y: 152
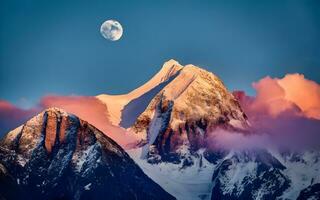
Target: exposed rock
x: 56, y: 155
x: 198, y: 103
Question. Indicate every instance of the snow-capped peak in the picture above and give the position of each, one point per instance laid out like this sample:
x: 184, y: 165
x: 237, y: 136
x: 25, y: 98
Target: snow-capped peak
x: 116, y: 103
x: 56, y: 155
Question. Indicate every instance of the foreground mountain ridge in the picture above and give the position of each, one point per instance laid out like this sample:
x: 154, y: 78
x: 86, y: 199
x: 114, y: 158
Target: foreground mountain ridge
x: 56, y: 155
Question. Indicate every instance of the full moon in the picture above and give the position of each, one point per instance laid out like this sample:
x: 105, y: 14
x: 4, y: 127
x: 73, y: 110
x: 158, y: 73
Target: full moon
x: 111, y: 30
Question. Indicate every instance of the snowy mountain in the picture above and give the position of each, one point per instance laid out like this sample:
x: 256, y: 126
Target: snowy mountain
x: 179, y: 121
x: 186, y: 111
x: 124, y: 109
x: 238, y: 174
x: 262, y: 174
x: 177, y: 115
x: 178, y: 107
x: 56, y: 155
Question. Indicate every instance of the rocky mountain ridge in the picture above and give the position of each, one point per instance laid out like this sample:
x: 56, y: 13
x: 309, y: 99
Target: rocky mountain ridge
x: 56, y: 155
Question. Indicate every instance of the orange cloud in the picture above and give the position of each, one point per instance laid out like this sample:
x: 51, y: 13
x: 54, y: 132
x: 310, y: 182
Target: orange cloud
x: 303, y: 92
x: 288, y: 109
x: 93, y: 111
x: 12, y: 116
x: 271, y: 98
x: 292, y: 94
x: 89, y: 109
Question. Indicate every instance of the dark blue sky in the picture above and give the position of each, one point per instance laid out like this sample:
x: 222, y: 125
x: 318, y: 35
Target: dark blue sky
x: 55, y: 47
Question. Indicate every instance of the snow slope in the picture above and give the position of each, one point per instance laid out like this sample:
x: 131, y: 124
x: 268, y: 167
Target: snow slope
x: 240, y: 174
x: 142, y: 95
x: 188, y: 183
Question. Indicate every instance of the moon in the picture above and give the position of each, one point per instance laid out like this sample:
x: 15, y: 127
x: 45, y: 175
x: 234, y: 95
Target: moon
x: 111, y: 30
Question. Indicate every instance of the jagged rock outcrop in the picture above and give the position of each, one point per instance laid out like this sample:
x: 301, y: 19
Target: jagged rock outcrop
x: 311, y: 192
x: 56, y: 155
x: 250, y: 174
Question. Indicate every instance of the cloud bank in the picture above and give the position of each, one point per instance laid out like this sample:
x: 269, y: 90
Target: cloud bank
x: 87, y: 108
x: 293, y: 94
x: 287, y: 109
x: 12, y: 116
x: 93, y: 111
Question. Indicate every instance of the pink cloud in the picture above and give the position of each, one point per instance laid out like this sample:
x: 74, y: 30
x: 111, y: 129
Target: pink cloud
x: 222, y: 139
x: 292, y: 94
x: 93, y: 111
x: 12, y: 116
x: 87, y: 108
x: 288, y: 109
x: 303, y: 92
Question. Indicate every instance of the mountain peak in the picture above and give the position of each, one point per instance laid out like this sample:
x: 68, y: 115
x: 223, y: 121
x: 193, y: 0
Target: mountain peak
x: 171, y: 62
x: 198, y: 96
x: 56, y: 110
x: 116, y: 103
x: 168, y: 69
x: 56, y: 155
x: 186, y: 111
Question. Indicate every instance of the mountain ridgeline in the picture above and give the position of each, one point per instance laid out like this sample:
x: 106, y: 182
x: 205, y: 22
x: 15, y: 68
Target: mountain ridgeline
x: 172, y: 121
x: 56, y: 155
x: 180, y: 105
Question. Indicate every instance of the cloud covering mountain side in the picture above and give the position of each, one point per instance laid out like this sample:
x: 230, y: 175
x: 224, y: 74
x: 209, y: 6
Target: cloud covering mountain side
x: 287, y: 108
x: 12, y: 116
x: 293, y: 94
x: 88, y: 108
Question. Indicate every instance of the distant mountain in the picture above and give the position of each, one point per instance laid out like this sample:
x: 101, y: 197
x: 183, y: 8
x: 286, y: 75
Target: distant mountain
x: 177, y: 119
x: 249, y: 174
x: 56, y: 155
x: 263, y: 174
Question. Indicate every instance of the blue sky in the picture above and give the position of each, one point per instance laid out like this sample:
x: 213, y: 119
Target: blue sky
x: 55, y: 47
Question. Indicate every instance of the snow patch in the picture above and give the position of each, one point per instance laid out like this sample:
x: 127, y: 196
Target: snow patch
x: 193, y: 182
x: 87, y: 155
x: 87, y: 187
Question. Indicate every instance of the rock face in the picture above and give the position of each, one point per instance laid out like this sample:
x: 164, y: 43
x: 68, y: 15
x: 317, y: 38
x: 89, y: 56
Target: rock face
x: 249, y: 175
x: 311, y: 192
x: 176, y: 110
x: 261, y: 174
x: 186, y: 110
x: 56, y: 155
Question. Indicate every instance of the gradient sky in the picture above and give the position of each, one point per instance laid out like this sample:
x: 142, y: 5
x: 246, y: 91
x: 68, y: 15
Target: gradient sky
x: 55, y: 47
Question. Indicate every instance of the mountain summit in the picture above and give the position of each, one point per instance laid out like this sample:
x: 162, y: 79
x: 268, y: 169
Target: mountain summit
x: 124, y: 109
x: 197, y: 96
x: 186, y: 100
x: 190, y: 105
